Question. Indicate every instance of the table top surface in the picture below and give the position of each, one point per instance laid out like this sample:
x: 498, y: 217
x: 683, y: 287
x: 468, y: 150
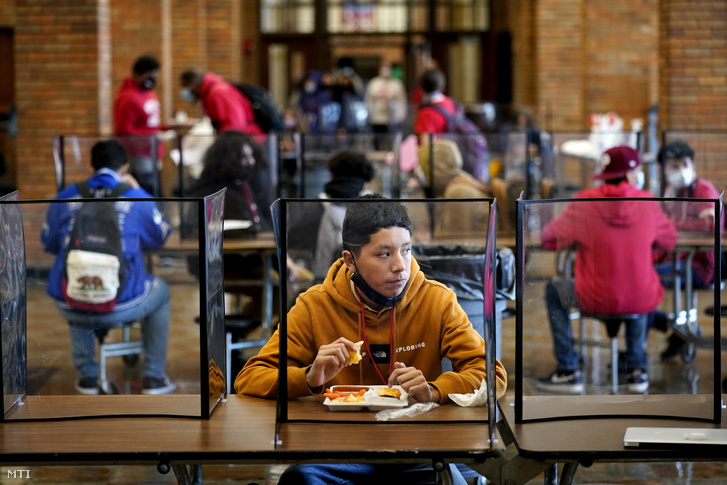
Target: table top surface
x: 593, y: 439
x: 262, y: 242
x: 241, y: 429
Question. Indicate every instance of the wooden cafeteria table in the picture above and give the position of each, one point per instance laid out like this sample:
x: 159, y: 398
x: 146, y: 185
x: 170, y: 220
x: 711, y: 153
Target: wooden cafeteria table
x: 241, y: 430
x: 584, y: 441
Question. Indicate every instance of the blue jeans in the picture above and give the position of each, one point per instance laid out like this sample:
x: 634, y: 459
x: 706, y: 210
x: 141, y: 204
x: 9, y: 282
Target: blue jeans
x: 560, y: 328
x: 359, y: 473
x: 666, y: 274
x: 152, y: 310
x: 565, y: 353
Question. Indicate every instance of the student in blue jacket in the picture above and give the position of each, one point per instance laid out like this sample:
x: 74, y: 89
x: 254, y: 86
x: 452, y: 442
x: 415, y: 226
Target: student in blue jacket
x: 141, y: 296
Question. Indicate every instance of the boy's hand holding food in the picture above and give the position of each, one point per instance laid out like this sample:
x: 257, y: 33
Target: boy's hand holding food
x: 331, y: 359
x: 413, y: 382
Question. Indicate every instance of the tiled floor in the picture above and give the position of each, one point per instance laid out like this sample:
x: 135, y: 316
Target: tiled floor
x: 48, y: 349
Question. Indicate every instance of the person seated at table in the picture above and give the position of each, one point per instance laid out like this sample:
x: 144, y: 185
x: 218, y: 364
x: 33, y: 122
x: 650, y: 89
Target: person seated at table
x: 614, y: 273
x: 142, y: 296
x: 237, y: 162
x: 451, y: 181
x: 317, y: 229
x: 375, y: 293
x: 678, y: 164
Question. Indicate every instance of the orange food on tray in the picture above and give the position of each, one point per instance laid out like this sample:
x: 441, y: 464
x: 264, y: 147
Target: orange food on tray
x: 389, y: 392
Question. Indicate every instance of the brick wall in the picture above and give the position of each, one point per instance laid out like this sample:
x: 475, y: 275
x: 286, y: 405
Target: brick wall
x: 60, y: 50
x: 621, y: 57
x: 7, y: 13
x: 559, y: 60
x: 590, y: 56
x: 519, y: 21
x: 136, y: 30
x: 693, y: 65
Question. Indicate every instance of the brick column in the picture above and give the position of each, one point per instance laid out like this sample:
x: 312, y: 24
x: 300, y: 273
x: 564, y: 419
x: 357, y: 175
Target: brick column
x: 559, y: 60
x: 62, y: 82
x: 693, y: 65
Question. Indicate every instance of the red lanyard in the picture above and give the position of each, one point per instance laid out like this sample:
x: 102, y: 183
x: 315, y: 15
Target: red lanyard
x: 245, y: 189
x: 391, y: 340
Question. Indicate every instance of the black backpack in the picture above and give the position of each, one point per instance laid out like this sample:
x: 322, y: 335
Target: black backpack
x: 94, y: 268
x: 267, y: 115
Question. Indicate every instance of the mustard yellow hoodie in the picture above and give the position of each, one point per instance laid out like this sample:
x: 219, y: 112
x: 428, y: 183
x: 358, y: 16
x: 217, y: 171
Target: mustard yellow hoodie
x: 429, y: 324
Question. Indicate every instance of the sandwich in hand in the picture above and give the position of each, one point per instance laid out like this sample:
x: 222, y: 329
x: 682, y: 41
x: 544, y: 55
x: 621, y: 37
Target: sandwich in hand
x: 355, y: 357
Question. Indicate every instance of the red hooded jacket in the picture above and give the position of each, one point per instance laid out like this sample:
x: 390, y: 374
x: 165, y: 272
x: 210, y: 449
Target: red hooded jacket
x: 226, y: 107
x: 137, y: 112
x: 613, y: 240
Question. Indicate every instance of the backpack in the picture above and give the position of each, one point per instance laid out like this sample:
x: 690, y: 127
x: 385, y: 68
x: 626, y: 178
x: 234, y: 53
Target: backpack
x: 94, y: 267
x: 267, y: 115
x: 472, y: 144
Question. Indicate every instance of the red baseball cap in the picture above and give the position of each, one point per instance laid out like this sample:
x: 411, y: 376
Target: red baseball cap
x: 617, y: 162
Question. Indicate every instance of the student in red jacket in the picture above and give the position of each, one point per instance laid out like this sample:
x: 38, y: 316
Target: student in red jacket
x: 227, y: 108
x: 678, y: 164
x: 429, y: 119
x: 614, y: 274
x: 137, y: 121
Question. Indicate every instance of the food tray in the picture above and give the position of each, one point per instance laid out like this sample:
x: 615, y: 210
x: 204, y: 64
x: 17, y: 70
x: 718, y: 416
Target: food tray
x: 372, y: 403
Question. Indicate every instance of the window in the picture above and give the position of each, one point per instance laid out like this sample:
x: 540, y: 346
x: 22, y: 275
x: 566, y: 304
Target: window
x: 287, y: 16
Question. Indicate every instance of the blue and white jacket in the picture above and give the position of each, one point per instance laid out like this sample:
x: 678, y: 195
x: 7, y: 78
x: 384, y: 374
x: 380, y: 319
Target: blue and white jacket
x: 142, y: 227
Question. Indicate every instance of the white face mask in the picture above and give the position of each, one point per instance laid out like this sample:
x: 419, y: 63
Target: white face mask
x: 681, y: 179
x: 640, y: 180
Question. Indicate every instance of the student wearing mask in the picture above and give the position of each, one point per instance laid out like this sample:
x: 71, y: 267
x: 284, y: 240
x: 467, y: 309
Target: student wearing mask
x: 614, y: 273
x: 316, y: 104
x: 375, y: 293
x: 137, y: 112
x: 227, y: 108
x: 682, y: 181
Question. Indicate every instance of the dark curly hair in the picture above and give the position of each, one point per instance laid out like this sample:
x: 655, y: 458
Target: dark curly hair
x: 223, y: 159
x: 675, y: 150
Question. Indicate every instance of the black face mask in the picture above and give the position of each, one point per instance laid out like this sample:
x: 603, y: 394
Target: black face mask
x: 373, y: 295
x: 148, y: 83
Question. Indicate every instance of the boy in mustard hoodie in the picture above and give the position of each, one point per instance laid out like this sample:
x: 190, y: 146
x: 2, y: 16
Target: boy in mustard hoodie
x: 377, y: 294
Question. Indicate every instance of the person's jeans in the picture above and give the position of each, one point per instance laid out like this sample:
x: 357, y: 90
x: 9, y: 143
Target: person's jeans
x: 152, y: 310
x: 635, y: 356
x: 666, y: 274
x: 358, y: 473
x: 560, y: 328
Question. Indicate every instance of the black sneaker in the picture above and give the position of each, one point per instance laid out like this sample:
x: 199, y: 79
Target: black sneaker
x: 637, y: 382
x: 562, y: 382
x: 158, y: 385
x: 87, y: 386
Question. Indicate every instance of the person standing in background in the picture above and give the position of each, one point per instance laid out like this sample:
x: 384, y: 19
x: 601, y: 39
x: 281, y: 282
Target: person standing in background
x: 137, y: 113
x: 385, y: 100
x: 227, y: 108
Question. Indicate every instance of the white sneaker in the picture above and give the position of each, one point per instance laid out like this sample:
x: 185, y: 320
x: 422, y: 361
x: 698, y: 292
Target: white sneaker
x: 562, y: 382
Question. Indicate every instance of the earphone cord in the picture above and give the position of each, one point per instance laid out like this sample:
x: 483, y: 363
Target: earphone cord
x: 391, y: 340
